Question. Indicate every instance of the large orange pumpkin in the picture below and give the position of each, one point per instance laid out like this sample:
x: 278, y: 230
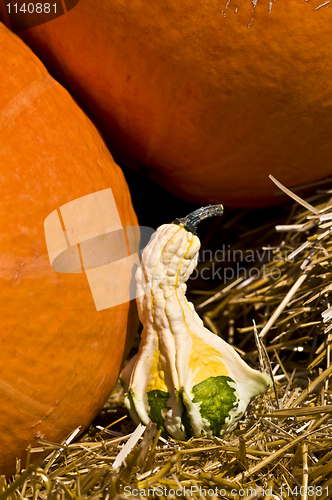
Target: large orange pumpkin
x: 206, y: 97
x: 59, y: 356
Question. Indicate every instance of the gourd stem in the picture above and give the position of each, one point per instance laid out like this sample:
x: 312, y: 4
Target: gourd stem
x: 192, y: 220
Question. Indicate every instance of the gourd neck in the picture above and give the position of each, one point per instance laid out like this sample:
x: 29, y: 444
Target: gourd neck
x: 192, y: 220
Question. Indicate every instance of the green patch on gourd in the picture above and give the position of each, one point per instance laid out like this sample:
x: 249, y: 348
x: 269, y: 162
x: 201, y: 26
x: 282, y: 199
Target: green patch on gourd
x: 217, y: 399
x: 158, y: 401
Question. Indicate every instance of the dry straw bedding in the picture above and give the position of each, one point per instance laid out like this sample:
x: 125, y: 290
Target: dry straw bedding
x: 280, y: 320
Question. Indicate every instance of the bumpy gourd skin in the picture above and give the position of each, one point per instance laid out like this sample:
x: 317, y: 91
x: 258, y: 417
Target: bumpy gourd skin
x: 184, y: 378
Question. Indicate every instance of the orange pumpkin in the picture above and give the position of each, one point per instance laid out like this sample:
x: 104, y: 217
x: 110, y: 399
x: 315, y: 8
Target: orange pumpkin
x: 59, y: 355
x: 207, y: 98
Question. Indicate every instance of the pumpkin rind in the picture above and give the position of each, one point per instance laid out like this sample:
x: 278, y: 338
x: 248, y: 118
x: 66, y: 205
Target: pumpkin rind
x: 208, y: 98
x: 59, y: 356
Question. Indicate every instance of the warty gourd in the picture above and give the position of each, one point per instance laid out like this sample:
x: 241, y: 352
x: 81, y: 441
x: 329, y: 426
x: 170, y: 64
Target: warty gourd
x: 185, y: 378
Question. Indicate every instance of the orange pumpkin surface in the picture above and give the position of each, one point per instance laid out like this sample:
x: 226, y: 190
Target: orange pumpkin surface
x: 59, y: 356
x: 206, y: 97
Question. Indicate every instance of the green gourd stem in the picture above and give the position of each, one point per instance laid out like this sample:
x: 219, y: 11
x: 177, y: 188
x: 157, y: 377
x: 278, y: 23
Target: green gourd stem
x: 192, y: 220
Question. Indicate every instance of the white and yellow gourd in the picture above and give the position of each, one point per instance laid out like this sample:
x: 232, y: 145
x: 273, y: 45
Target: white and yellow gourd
x: 185, y: 378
